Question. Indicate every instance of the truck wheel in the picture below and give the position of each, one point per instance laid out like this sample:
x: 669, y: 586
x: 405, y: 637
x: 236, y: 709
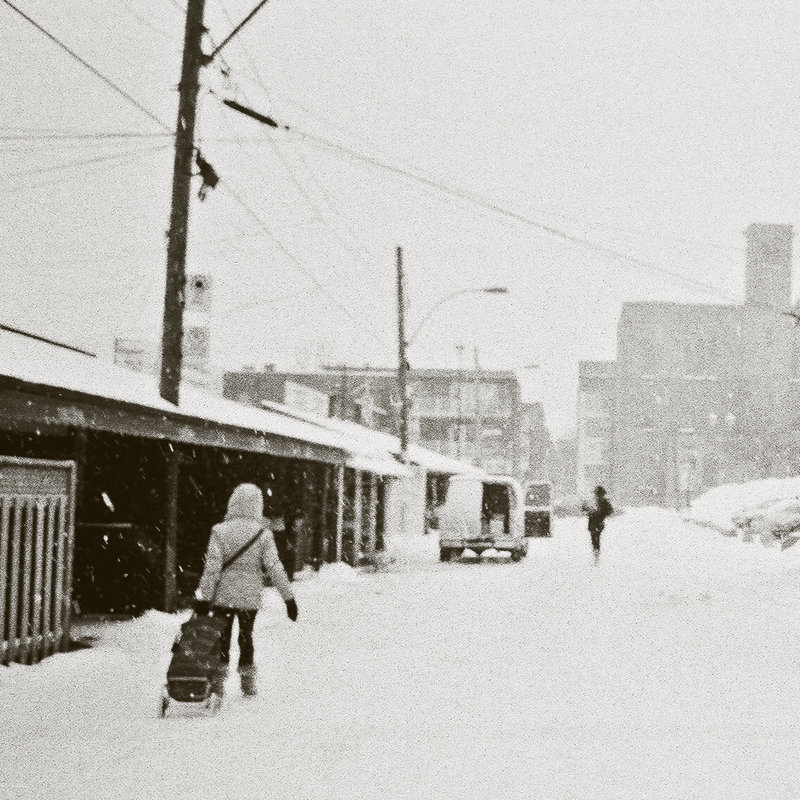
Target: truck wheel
x: 445, y: 553
x: 517, y: 555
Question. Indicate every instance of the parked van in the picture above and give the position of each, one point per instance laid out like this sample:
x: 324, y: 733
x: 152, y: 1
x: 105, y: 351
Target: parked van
x: 482, y: 513
x: 538, y: 509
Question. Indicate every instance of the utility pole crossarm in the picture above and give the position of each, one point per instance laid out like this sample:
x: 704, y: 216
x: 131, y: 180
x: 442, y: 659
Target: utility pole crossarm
x: 208, y: 59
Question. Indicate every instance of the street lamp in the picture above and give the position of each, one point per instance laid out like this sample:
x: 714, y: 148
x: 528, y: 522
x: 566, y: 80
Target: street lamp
x: 403, y: 343
x: 446, y: 298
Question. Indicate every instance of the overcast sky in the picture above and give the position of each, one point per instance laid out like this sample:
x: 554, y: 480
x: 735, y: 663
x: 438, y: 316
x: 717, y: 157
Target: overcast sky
x: 658, y: 128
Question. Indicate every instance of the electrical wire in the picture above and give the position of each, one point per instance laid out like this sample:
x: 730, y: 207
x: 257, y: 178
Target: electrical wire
x: 291, y: 174
x: 111, y: 162
x: 149, y: 25
x: 56, y: 136
x: 96, y: 72
x: 81, y: 162
x: 308, y: 274
x: 478, y: 200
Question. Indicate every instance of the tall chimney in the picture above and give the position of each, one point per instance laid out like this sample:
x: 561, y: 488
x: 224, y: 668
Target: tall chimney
x: 768, y: 277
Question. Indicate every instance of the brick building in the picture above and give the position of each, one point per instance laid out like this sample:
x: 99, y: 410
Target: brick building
x: 707, y: 394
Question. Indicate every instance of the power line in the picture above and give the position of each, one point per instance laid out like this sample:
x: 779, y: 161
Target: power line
x: 66, y: 136
x: 112, y: 162
x: 147, y: 24
x: 284, y: 161
x: 96, y: 72
x: 482, y: 202
x: 607, y: 252
x: 82, y: 162
x: 310, y: 275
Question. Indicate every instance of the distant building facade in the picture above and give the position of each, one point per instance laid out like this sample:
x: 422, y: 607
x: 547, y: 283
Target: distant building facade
x: 595, y: 437
x: 535, y: 443
x: 708, y: 394
x: 564, y: 468
x: 472, y: 415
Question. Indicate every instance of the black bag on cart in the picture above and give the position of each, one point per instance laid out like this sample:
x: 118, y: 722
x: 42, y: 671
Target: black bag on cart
x: 196, y: 655
x: 195, y: 659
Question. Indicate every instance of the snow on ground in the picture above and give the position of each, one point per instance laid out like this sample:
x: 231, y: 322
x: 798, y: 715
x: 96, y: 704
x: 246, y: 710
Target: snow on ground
x: 669, y: 671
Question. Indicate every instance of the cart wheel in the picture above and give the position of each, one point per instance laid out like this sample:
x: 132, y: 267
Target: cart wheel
x: 517, y: 556
x: 164, y: 706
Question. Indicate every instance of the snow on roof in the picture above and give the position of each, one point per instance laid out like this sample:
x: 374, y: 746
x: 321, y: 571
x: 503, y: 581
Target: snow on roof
x: 44, y: 364
x: 430, y: 460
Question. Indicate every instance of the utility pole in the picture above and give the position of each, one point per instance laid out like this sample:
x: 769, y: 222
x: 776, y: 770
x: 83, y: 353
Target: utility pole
x: 402, y: 369
x: 175, y: 290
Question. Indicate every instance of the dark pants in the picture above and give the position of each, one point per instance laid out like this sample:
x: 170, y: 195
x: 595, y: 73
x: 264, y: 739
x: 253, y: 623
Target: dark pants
x: 247, y: 617
x: 595, y: 534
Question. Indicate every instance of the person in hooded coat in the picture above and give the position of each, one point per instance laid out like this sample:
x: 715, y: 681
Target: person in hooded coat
x: 236, y: 591
x: 597, y: 513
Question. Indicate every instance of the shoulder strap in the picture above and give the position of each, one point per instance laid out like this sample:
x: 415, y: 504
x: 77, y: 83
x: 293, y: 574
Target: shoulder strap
x: 242, y: 550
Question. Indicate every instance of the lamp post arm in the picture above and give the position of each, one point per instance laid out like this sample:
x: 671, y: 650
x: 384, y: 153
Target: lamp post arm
x: 436, y: 306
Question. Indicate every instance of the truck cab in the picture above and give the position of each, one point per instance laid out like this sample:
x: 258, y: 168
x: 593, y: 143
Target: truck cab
x: 482, y: 513
x: 538, y: 508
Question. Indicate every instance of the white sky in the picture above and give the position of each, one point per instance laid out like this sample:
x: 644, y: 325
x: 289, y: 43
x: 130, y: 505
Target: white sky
x: 659, y: 128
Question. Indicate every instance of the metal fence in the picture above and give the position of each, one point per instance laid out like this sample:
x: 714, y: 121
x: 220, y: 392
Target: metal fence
x: 37, y: 501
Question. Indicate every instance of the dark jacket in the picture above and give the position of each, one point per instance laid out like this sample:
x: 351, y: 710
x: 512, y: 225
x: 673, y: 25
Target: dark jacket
x: 598, y: 513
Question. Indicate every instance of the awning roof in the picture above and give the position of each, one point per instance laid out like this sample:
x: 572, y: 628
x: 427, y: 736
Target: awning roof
x: 382, y: 442
x: 46, y: 387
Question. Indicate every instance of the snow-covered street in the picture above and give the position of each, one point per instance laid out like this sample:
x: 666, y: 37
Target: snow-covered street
x: 670, y: 671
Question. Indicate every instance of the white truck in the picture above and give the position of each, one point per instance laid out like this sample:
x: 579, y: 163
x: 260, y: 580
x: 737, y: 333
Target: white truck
x: 482, y: 513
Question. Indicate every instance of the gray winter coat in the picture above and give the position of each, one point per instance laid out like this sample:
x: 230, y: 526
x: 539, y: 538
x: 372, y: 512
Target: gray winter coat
x: 240, y: 585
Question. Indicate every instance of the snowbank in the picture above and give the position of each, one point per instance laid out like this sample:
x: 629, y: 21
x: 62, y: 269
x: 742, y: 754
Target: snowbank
x: 767, y: 510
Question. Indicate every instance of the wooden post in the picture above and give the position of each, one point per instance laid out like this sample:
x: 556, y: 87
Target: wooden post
x: 358, y: 515
x: 339, y: 510
x: 372, y: 517
x: 171, y: 528
x: 321, y: 539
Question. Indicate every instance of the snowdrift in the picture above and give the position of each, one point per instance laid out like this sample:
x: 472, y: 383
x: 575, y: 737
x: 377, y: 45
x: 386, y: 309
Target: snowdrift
x: 766, y: 510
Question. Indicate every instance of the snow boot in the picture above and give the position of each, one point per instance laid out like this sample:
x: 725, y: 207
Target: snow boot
x: 218, y: 680
x: 247, y: 675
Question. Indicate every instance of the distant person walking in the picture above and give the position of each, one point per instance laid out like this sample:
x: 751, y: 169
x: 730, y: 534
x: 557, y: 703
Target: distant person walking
x: 597, y: 513
x: 236, y: 591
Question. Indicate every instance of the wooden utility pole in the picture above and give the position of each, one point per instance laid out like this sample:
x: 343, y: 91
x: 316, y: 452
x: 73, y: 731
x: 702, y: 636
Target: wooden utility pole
x: 175, y: 290
x: 402, y: 367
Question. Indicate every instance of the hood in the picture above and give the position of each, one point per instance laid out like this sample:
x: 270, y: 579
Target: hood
x: 246, y: 501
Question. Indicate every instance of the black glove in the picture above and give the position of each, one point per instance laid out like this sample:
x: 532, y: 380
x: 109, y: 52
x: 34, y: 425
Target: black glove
x: 291, y: 610
x: 202, y: 607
